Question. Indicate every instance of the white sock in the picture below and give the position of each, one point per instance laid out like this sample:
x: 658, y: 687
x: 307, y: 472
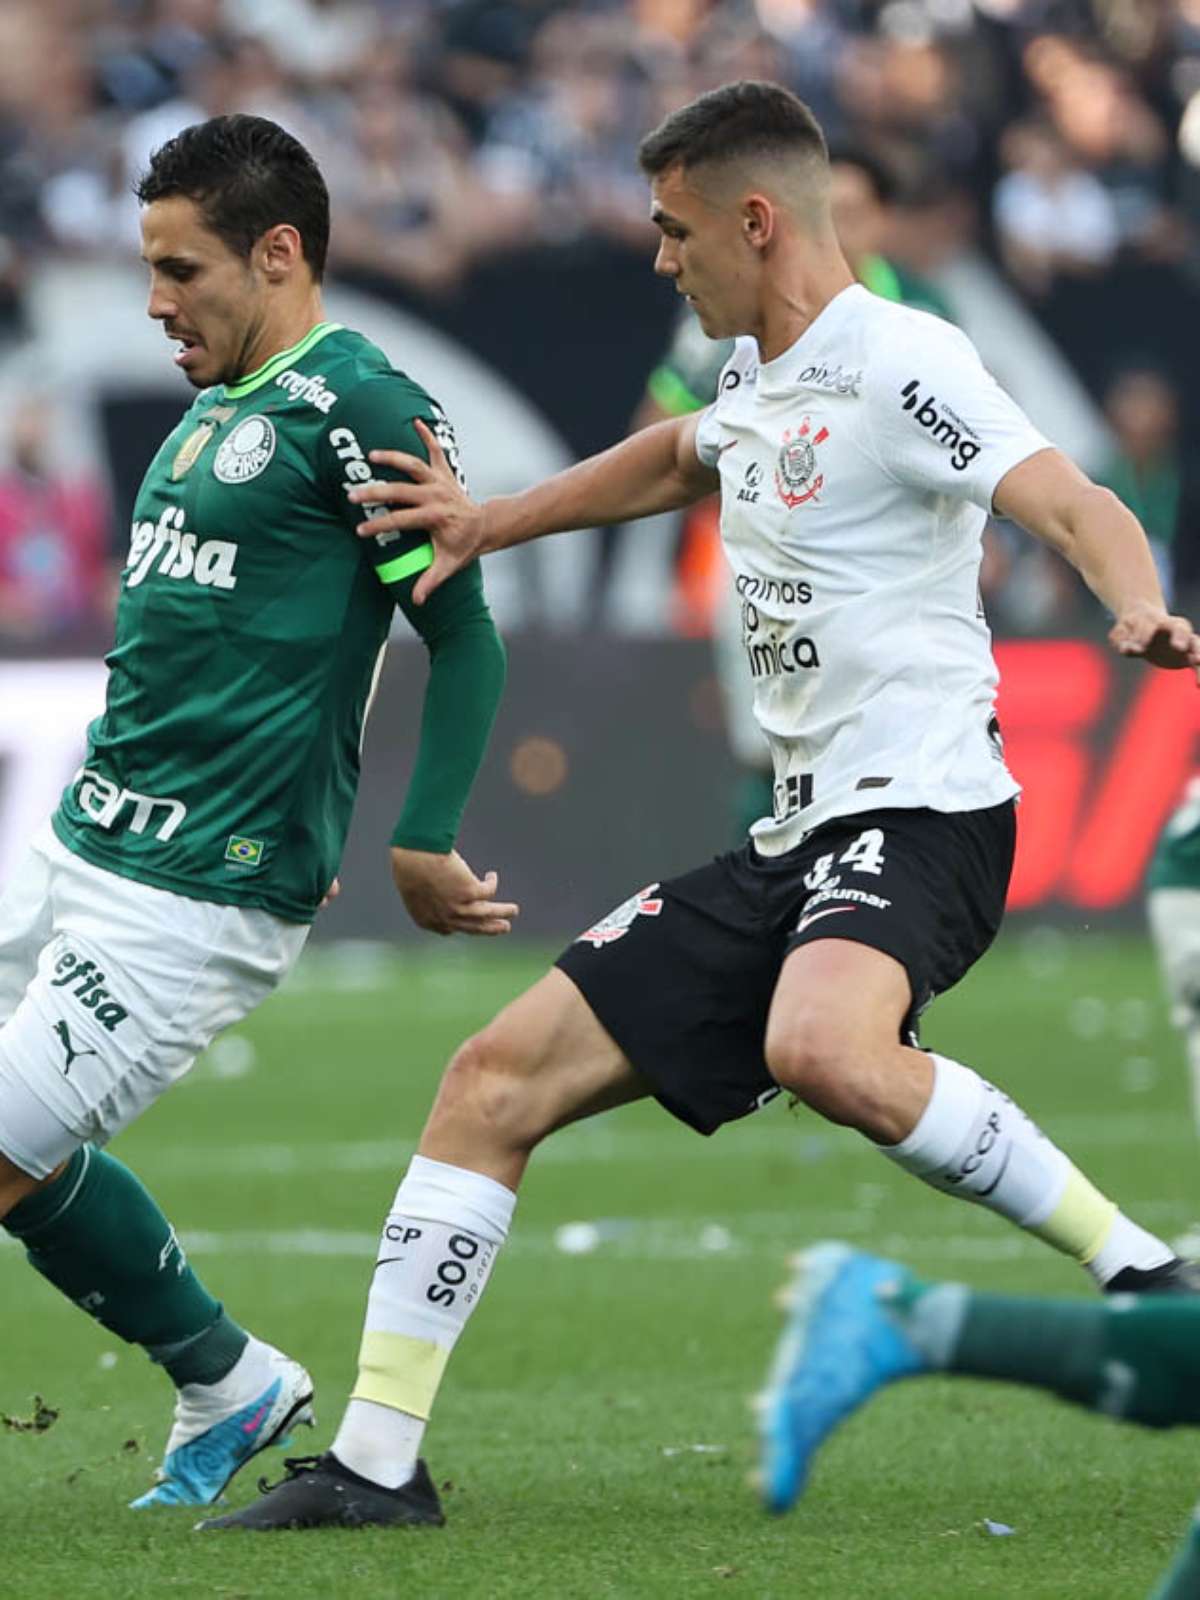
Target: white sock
x: 973, y: 1141
x: 435, y: 1257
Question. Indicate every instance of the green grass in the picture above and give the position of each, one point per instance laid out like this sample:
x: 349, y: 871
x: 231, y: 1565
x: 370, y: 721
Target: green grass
x: 564, y: 1431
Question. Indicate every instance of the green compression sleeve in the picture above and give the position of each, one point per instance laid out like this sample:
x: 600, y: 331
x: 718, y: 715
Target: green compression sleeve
x: 466, y: 677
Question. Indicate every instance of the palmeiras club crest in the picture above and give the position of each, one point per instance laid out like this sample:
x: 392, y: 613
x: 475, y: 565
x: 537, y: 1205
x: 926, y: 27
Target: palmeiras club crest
x: 645, y: 903
x: 797, y: 463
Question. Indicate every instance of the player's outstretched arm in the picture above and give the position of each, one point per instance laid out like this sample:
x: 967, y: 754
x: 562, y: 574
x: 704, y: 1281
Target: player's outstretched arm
x: 1104, y: 542
x: 651, y: 471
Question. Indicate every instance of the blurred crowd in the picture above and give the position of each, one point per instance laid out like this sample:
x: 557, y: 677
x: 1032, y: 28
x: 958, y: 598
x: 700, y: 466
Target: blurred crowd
x: 1062, y: 135
x: 456, y: 129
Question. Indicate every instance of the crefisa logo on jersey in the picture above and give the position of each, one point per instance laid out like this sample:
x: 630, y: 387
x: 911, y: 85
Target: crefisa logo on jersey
x: 70, y: 969
x: 246, y: 452
x: 300, y: 386
x: 645, y: 903
x: 796, y: 476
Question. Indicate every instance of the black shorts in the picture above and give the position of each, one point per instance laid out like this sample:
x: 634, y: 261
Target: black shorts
x: 682, y: 974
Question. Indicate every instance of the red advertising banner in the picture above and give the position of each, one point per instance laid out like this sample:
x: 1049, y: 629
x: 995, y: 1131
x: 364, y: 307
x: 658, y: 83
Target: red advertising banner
x: 1103, y: 749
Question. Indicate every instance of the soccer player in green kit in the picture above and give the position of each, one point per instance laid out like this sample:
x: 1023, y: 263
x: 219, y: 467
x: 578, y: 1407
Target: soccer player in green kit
x: 857, y: 1323
x: 175, y: 884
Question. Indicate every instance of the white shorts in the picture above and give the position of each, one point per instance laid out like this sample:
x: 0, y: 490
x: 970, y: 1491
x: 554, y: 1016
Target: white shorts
x: 109, y: 989
x: 1175, y: 924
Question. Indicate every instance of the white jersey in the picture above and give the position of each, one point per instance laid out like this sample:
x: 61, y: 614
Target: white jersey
x: 857, y: 470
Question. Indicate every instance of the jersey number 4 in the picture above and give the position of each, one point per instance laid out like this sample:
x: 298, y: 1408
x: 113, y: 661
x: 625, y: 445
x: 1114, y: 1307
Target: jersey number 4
x: 864, y: 855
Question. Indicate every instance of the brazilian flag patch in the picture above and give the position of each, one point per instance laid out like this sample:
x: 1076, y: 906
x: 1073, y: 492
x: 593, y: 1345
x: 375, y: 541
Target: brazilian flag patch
x: 244, y: 852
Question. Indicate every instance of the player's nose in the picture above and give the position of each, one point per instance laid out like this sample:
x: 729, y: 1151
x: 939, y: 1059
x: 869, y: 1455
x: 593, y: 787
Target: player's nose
x: 665, y: 263
x: 161, y: 306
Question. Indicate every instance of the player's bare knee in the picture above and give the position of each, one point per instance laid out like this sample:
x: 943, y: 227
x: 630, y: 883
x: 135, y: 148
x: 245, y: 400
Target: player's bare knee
x: 16, y: 1184
x: 815, y: 1058
x: 801, y: 1052
x: 484, y: 1087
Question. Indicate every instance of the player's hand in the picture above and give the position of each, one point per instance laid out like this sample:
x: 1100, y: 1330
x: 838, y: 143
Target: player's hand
x: 429, y: 499
x: 1163, y: 640
x: 443, y: 895
x: 331, y: 894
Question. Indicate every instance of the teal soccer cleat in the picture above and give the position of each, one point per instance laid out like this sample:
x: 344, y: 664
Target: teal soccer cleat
x: 220, y: 1426
x: 838, y: 1348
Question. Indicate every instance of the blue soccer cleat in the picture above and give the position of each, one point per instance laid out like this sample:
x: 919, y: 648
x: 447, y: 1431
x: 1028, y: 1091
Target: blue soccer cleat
x: 220, y: 1426
x: 838, y: 1348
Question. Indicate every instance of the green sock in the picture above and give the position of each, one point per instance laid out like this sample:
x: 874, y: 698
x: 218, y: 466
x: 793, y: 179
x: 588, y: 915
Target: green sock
x: 1133, y: 1358
x: 1182, y: 1579
x: 98, y: 1236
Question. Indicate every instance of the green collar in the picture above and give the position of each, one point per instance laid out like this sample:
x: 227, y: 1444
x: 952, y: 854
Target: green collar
x: 280, y: 363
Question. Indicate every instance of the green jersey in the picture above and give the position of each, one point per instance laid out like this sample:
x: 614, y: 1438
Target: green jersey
x: 250, y: 624
x: 1176, y: 860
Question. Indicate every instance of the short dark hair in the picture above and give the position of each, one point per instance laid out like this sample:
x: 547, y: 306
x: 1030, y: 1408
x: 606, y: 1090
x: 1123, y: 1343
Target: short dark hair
x: 736, y: 121
x: 247, y: 175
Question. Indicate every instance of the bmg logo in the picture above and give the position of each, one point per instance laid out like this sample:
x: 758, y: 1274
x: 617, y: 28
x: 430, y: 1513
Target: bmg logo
x: 944, y: 426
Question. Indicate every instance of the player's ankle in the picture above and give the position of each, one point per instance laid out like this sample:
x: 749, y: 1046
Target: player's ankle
x: 930, y: 1315
x: 379, y: 1443
x: 1126, y: 1245
x: 205, y: 1357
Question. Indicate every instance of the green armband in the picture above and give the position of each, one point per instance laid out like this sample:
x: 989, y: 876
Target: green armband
x: 466, y: 677
x: 408, y: 565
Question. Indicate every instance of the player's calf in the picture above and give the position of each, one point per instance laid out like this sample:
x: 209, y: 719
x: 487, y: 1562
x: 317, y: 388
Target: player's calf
x: 833, y: 1037
x: 436, y: 1253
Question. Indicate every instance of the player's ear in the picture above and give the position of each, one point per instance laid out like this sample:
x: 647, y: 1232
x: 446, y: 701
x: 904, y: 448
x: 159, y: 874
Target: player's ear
x: 280, y: 251
x: 758, y: 220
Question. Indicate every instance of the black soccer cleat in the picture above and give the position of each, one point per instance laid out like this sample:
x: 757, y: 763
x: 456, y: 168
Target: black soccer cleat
x: 319, y: 1492
x: 1173, y: 1277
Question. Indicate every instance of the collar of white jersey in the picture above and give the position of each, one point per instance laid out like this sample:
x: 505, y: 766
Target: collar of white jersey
x: 778, y: 375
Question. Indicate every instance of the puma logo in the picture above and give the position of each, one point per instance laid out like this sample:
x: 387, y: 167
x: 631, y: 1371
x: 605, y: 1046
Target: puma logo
x: 73, y: 1055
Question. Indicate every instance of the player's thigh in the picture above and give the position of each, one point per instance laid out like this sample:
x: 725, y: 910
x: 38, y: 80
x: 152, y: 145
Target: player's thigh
x: 131, y: 984
x: 914, y: 897
x: 543, y: 1061
x: 1175, y: 926
x: 836, y: 1001
x: 26, y: 919
x: 680, y: 974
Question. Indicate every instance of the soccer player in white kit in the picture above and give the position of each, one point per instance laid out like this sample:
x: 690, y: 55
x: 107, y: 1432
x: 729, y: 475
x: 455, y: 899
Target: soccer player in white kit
x: 858, y: 446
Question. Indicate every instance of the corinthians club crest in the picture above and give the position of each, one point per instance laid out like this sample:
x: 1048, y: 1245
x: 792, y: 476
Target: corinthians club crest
x: 797, y: 463
x: 645, y: 903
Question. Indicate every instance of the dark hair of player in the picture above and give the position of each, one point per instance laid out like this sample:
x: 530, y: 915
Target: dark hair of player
x: 736, y: 122
x: 246, y: 174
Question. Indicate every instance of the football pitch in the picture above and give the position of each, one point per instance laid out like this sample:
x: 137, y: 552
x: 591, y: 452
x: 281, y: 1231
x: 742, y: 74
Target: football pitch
x: 593, y: 1437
